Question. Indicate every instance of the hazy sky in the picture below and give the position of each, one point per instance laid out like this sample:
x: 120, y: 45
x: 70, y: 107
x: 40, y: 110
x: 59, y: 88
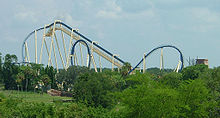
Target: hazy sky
x: 125, y: 27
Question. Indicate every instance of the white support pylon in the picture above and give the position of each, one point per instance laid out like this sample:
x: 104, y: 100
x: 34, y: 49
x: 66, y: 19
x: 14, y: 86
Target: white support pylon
x: 144, y: 63
x: 55, y: 55
x: 87, y: 60
x: 75, y: 59
x: 27, y: 52
x: 42, y: 44
x: 178, y: 66
x: 59, y: 51
x: 47, y: 51
x: 81, y: 54
x: 161, y: 60
x: 113, y: 61
x: 70, y: 44
x: 35, y: 46
x: 51, y: 45
x: 64, y: 45
x: 118, y: 70
x: 100, y: 65
x: 92, y: 56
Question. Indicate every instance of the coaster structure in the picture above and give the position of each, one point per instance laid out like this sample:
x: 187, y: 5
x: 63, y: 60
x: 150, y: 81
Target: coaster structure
x: 61, y: 46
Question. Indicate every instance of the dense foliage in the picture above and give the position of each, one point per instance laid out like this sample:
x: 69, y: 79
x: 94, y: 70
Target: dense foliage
x: 194, y: 92
x: 95, y: 88
x: 28, y: 77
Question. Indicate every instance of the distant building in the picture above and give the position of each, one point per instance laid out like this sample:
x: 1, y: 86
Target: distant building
x: 202, y: 61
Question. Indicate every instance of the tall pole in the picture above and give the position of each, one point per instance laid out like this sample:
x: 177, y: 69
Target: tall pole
x: 59, y: 51
x: 87, y: 60
x: 64, y: 45
x: 144, y: 63
x: 161, y: 60
x: 51, y: 44
x: 82, y: 62
x: 35, y: 46
x: 113, y: 61
x: 113, y: 57
x: 42, y: 44
x: 93, y: 60
x: 27, y: 52
x: 55, y: 55
x: 178, y: 66
x: 68, y: 55
x: 100, y: 65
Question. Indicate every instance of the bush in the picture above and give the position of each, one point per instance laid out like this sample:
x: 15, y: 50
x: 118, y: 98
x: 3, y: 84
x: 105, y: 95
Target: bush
x: 69, y: 77
x: 148, y: 99
x: 172, y: 79
x: 95, y: 88
x: 193, y: 72
x: 14, y: 108
x: 194, y: 99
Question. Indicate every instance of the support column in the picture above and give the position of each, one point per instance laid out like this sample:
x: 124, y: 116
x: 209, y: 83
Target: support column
x: 70, y: 45
x: 51, y: 46
x: 113, y: 61
x: 42, y: 44
x: 35, y: 46
x: 100, y: 65
x: 144, y: 63
x: 93, y: 60
x: 161, y: 60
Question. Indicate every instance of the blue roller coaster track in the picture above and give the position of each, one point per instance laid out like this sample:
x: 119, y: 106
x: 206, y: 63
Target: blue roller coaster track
x: 88, y: 50
x: 164, y: 46
x: 71, y: 29
x: 98, y: 46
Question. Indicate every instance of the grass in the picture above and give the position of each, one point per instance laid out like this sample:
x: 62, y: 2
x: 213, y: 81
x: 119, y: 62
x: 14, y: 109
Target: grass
x: 32, y: 97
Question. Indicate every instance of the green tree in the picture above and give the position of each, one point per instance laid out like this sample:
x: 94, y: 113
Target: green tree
x: 9, y: 71
x: 194, y: 99
x: 212, y: 80
x: 30, y: 76
x: 125, y: 69
x: 19, y: 79
x: 69, y: 76
x: 147, y: 98
x: 51, y: 72
x: 96, y: 89
x: 193, y: 72
x: 172, y: 79
x: 45, y: 81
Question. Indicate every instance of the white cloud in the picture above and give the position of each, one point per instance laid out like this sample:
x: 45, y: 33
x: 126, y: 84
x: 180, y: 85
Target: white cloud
x: 204, y: 19
x: 193, y: 19
x: 68, y: 19
x: 25, y: 14
x: 107, y: 14
x: 147, y: 14
x: 10, y: 37
x: 110, y: 10
x: 205, y: 15
x: 134, y: 6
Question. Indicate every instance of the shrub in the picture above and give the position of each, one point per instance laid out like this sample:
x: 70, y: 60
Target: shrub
x: 95, y: 88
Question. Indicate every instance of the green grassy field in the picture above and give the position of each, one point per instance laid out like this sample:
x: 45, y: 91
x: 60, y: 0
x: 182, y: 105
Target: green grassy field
x: 33, y: 97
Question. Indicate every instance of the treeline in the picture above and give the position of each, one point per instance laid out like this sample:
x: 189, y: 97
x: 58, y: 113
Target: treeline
x: 195, y: 92
x: 28, y: 77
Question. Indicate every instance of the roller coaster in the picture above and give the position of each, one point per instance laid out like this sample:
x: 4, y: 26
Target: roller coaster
x: 62, y: 46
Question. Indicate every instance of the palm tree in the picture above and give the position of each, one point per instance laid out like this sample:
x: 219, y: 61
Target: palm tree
x: 125, y: 69
x: 19, y: 78
x: 45, y: 79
